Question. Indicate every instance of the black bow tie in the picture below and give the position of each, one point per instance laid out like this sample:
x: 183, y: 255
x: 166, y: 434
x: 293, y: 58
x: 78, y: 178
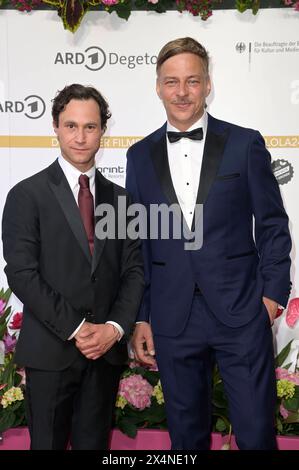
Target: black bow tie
x: 196, y: 134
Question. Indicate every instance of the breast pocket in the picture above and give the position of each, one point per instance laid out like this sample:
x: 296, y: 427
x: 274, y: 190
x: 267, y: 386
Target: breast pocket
x: 228, y: 177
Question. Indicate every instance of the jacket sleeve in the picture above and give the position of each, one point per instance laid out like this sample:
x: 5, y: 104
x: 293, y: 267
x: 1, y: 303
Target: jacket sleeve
x: 129, y: 295
x: 21, y: 249
x: 132, y: 187
x: 272, y: 234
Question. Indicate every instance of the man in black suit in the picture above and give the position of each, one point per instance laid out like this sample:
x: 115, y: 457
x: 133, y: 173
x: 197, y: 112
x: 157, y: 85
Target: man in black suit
x: 80, y: 293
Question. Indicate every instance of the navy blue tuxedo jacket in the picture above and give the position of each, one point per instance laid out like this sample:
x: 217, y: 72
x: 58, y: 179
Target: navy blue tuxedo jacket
x: 246, y: 240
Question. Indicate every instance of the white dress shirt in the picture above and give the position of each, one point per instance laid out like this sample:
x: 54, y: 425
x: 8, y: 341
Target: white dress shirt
x: 185, y: 159
x: 72, y: 175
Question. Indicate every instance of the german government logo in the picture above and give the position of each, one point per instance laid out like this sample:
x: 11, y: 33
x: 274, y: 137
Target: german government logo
x: 240, y: 47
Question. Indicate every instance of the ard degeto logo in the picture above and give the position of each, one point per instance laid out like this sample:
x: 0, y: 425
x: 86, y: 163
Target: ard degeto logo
x: 33, y: 106
x: 95, y: 58
x: 240, y: 47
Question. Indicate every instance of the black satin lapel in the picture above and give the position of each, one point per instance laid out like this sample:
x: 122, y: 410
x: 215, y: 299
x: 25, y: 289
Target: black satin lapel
x: 160, y: 161
x: 161, y: 165
x: 103, y: 195
x: 66, y: 200
x: 212, y: 155
x: 214, y: 147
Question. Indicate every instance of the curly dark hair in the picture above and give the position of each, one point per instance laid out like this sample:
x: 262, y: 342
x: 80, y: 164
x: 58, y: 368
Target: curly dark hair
x: 79, y: 92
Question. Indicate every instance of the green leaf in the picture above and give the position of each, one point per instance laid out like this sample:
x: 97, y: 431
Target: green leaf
x: 123, y: 10
x: 72, y: 13
x: 220, y: 425
x: 6, y: 419
x: 291, y: 404
x: 54, y: 3
x: 293, y: 418
x: 281, y: 357
x: 128, y: 427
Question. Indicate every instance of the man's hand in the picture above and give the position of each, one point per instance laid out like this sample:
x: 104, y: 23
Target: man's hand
x: 93, y: 340
x: 271, y: 307
x: 143, y: 344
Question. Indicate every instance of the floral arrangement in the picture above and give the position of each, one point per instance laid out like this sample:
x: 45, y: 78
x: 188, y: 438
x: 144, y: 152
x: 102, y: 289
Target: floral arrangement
x: 12, y: 409
x: 140, y: 401
x: 72, y: 11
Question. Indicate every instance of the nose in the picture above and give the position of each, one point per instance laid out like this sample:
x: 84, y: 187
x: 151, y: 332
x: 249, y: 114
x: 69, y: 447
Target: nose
x: 182, y: 89
x: 80, y: 135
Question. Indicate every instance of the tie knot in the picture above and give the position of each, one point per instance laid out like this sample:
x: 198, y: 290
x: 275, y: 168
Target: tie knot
x: 195, y: 134
x: 84, y: 181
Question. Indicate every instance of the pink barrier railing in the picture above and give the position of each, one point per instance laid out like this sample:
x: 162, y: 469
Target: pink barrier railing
x: 146, y: 439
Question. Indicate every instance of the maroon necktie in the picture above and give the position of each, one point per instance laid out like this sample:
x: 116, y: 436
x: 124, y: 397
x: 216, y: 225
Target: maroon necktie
x: 85, y: 202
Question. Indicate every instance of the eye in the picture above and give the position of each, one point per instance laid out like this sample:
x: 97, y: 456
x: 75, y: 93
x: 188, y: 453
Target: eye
x: 91, y: 127
x: 193, y: 82
x: 170, y: 82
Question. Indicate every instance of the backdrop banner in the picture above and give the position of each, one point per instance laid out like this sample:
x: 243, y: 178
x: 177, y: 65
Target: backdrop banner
x: 254, y: 70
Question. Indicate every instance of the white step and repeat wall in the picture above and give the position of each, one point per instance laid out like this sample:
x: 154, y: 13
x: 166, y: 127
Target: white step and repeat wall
x: 254, y: 69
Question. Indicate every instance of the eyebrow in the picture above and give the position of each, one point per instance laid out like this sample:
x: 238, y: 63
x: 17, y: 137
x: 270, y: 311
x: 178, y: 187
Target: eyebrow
x: 170, y: 77
x: 91, y: 123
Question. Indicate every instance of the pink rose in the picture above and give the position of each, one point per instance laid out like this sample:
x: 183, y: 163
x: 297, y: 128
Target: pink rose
x: 109, y: 2
x: 293, y: 312
x: 16, y: 321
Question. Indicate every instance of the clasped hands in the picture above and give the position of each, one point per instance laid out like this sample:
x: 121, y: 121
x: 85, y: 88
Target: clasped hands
x: 93, y: 340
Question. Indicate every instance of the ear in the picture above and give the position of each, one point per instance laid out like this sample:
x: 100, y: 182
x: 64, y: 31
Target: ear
x: 55, y: 127
x: 208, y: 86
x: 158, y: 88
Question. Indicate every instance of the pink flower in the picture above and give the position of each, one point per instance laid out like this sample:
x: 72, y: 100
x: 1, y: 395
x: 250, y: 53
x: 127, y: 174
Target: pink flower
x: 288, y: 2
x: 153, y: 1
x: 16, y: 321
x: 110, y: 2
x: 9, y: 342
x: 293, y: 308
x: 283, y: 411
x: 2, y: 306
x: 133, y: 364
x: 296, y: 6
x: 283, y: 374
x: 136, y: 390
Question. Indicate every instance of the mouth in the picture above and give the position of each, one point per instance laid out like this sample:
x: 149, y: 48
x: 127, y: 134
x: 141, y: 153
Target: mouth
x: 182, y: 105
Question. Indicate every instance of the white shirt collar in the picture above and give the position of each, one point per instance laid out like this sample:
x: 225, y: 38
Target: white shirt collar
x: 202, y: 122
x: 72, y: 173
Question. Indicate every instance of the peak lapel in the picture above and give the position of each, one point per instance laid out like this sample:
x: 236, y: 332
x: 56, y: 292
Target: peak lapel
x: 63, y: 193
x: 213, y: 151
x: 160, y: 161
x: 103, y: 195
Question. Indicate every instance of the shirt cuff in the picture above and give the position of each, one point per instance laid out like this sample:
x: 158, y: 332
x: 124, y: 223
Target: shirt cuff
x: 76, y: 330
x: 119, y: 329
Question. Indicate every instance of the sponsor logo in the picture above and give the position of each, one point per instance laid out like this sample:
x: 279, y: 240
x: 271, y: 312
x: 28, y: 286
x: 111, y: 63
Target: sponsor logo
x: 33, y: 107
x: 94, y: 58
x: 283, y: 171
x: 240, y: 47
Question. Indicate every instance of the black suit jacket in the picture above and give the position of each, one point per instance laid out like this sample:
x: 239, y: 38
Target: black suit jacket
x: 50, y: 269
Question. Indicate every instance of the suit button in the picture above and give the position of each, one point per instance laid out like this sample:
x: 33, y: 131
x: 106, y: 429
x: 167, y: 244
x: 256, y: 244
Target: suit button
x: 93, y: 278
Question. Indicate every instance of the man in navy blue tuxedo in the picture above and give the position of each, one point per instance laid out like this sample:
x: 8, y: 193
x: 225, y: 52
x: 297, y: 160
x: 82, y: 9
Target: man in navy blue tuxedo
x: 216, y: 303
